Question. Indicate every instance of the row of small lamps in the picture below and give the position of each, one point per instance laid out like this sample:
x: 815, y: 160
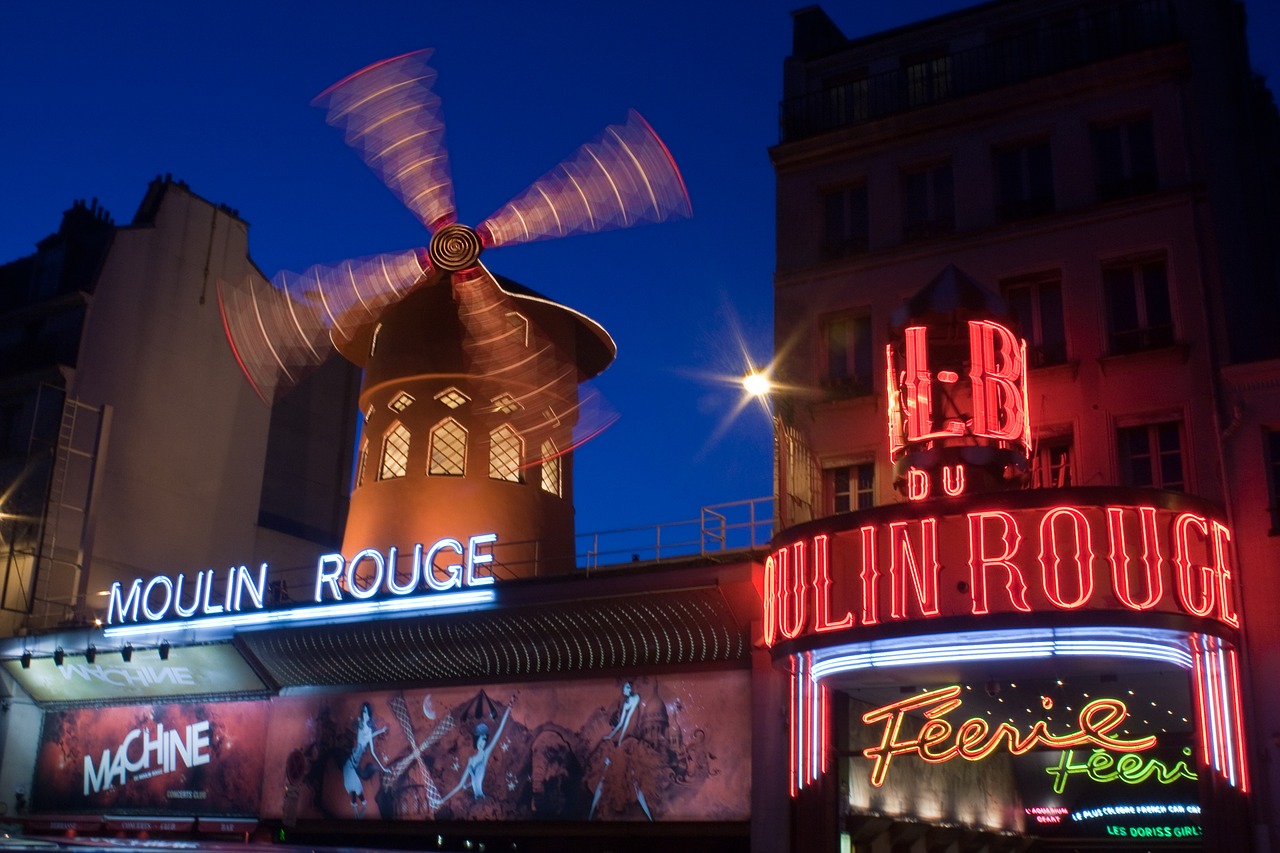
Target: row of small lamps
x: 91, y: 653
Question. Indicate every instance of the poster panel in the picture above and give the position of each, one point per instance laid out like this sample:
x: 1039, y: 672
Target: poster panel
x: 193, y: 758
x: 650, y: 748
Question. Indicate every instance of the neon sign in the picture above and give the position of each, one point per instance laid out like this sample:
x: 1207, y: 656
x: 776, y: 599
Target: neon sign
x: 238, y: 597
x: 1064, y: 557
x: 1102, y: 766
x: 935, y: 426
x: 938, y: 741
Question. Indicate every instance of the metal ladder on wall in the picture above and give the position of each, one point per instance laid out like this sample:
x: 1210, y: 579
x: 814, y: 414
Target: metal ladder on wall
x: 61, y: 554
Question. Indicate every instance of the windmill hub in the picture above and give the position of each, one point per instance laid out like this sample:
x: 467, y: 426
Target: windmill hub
x: 454, y: 247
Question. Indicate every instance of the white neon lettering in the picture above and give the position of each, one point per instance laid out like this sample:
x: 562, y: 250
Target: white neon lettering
x: 329, y: 578
x: 210, y: 574
x: 244, y: 581
x: 415, y: 573
x: 185, y: 612
x: 474, y: 558
x: 126, y: 608
x: 454, y: 571
x: 147, y: 610
x: 378, y: 571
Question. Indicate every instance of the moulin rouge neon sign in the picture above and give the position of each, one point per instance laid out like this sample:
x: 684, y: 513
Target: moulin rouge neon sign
x: 1058, y: 557
x: 449, y: 572
x: 938, y: 741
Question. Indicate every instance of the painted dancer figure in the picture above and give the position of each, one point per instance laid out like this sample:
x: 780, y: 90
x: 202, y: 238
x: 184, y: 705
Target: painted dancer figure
x: 353, y: 775
x: 478, y: 763
x: 630, y: 701
x: 626, y: 772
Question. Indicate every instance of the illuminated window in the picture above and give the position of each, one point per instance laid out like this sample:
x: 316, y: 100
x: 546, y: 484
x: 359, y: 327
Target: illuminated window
x: 1272, y: 449
x: 1036, y: 302
x: 448, y: 449
x: 364, y: 459
x: 550, y: 468
x: 401, y: 402
x: 505, y: 451
x: 395, y: 453
x: 1139, y: 315
x: 853, y: 487
x: 452, y: 397
x: 847, y: 343
x: 928, y: 202
x: 846, y: 222
x: 1151, y: 455
x: 928, y: 78
x: 1051, y: 464
x: 1125, y: 157
x: 1025, y: 180
x: 506, y: 404
x: 373, y: 344
x: 368, y: 413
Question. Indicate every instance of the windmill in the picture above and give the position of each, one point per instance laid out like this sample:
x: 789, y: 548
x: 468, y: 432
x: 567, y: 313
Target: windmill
x: 470, y: 389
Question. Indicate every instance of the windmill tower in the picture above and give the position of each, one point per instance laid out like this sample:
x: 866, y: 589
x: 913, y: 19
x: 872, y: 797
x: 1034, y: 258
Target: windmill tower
x: 470, y: 395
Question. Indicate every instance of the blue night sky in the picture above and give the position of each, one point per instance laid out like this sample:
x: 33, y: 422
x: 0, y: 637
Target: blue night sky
x: 102, y: 97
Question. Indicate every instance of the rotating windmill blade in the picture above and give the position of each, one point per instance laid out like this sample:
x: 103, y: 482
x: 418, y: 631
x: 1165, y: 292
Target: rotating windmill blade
x: 389, y: 114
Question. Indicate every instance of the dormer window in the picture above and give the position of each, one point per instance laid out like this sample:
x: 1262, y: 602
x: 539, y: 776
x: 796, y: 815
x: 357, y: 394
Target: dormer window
x: 453, y: 398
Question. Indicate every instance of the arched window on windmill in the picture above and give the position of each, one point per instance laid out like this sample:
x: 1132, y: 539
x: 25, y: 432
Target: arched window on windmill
x: 551, y: 472
x: 506, y: 450
x: 395, y: 453
x: 448, y: 449
x: 364, y: 460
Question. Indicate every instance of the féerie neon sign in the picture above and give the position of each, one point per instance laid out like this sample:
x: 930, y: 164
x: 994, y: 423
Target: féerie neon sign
x: 938, y: 741
x: 369, y: 583
x: 1073, y: 555
x: 1101, y: 766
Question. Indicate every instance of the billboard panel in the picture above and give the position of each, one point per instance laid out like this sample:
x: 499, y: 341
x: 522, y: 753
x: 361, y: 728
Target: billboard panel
x: 194, y: 758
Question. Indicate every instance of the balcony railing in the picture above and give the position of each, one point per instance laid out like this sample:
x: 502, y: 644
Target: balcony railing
x: 1102, y: 33
x: 724, y: 530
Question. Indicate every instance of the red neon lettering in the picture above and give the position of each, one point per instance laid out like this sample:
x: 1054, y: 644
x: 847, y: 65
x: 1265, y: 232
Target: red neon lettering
x: 770, y: 617
x: 995, y: 373
x: 1191, y: 576
x: 974, y: 741
x: 1083, y: 557
x: 822, y: 590
x: 922, y: 572
x: 918, y: 405
x: 895, y: 405
x: 980, y: 559
x: 1120, y: 559
x: 953, y: 480
x: 791, y: 613
x: 917, y: 484
x: 870, y: 574
x: 1222, y: 566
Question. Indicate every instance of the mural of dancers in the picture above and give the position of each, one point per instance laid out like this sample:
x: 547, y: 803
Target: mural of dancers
x: 647, y: 748
x: 353, y: 775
